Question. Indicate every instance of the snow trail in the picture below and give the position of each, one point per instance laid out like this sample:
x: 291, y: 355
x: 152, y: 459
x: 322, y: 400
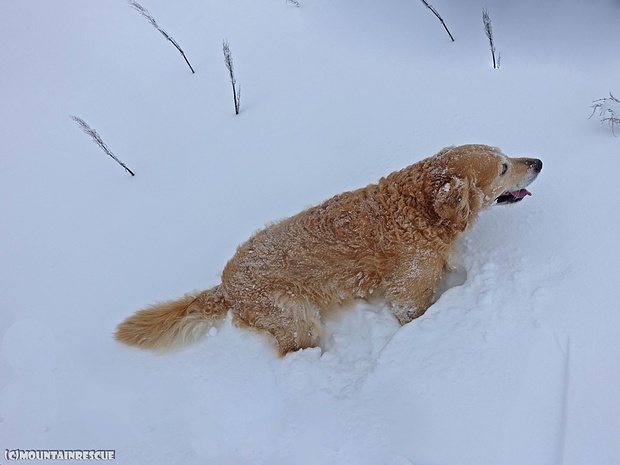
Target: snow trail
x: 535, y: 429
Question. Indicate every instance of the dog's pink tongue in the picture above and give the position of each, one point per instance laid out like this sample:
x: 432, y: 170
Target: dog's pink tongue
x: 521, y: 193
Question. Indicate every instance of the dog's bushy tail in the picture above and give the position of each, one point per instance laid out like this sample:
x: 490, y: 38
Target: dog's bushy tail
x: 175, y: 323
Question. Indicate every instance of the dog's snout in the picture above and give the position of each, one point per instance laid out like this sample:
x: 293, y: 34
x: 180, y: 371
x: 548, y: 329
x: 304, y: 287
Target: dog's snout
x: 535, y: 164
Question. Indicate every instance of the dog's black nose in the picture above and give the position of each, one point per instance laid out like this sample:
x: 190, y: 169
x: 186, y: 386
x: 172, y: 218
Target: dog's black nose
x: 536, y: 164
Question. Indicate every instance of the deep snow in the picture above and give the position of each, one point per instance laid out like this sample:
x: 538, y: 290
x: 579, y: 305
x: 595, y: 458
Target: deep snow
x: 518, y: 362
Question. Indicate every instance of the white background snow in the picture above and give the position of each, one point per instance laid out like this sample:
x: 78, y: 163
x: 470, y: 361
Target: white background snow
x: 518, y: 363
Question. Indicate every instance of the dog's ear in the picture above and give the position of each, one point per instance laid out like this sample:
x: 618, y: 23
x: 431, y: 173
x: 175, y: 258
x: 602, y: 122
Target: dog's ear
x: 457, y: 200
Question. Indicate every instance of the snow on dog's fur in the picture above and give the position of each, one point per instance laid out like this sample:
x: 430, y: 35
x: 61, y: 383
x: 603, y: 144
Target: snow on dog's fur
x: 389, y: 241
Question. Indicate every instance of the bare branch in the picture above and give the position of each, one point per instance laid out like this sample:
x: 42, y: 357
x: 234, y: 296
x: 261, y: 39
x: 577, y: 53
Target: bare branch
x: 145, y: 13
x: 99, y: 141
x: 228, y: 60
x: 488, y: 29
x: 607, y: 108
x: 430, y: 7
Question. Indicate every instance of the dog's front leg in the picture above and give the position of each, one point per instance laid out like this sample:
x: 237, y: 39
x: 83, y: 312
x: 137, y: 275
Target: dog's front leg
x: 406, y: 311
x: 409, y: 297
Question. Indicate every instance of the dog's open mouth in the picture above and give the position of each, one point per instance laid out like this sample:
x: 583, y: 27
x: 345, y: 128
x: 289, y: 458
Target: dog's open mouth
x: 512, y: 196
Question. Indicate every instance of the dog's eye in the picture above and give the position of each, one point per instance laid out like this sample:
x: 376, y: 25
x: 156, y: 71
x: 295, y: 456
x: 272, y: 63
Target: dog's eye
x: 504, y: 169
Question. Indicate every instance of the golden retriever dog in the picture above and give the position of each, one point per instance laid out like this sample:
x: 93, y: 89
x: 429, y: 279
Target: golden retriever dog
x: 388, y: 241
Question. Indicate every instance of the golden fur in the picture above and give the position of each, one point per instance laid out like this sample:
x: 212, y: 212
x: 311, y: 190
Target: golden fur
x: 389, y: 240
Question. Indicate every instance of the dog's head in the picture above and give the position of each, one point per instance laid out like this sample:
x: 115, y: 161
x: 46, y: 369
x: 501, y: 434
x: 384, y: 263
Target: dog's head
x: 469, y: 178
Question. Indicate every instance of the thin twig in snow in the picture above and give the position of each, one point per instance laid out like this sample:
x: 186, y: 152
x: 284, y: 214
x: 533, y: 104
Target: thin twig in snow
x: 430, y: 7
x: 607, y: 108
x: 488, y: 29
x: 228, y: 60
x: 145, y: 13
x: 99, y: 141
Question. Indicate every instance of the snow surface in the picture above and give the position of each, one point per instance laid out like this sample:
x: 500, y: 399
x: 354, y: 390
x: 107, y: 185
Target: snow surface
x: 518, y: 362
